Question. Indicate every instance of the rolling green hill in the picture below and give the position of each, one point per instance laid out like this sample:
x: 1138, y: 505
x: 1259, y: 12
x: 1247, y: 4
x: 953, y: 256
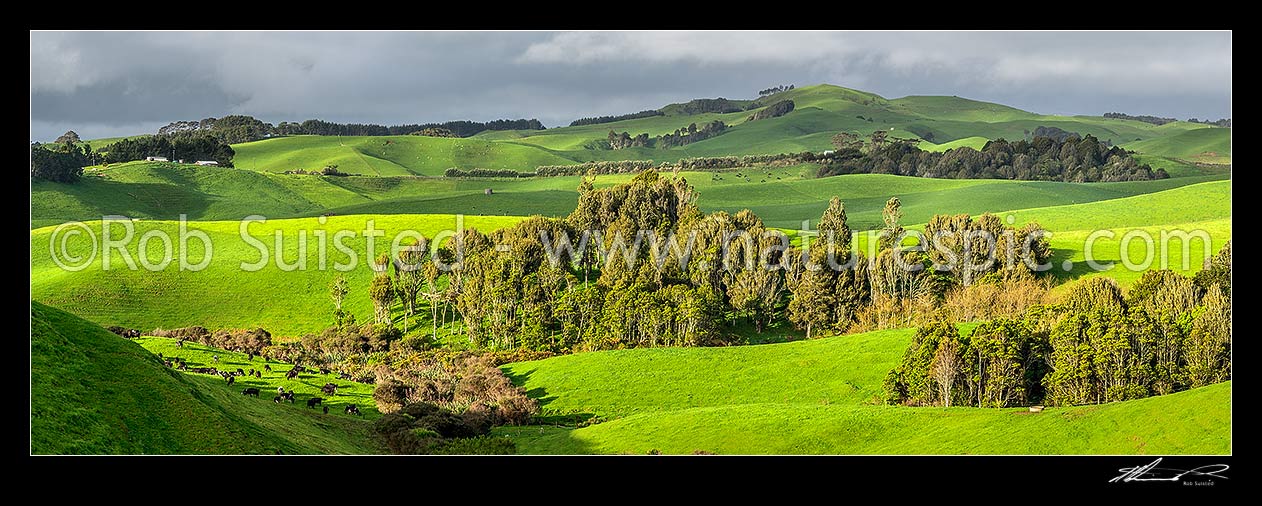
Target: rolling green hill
x: 819, y: 396
x: 782, y: 196
x: 1205, y: 145
x: 223, y: 295
x: 291, y: 303
x: 389, y: 155
x: 822, y: 111
x: 93, y: 392
x: 1200, y: 211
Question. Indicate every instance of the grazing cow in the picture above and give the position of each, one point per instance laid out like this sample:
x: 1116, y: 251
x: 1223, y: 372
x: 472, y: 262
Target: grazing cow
x: 352, y: 409
x: 159, y: 354
x: 258, y: 375
x: 240, y: 372
x: 280, y: 390
x: 179, y: 344
x: 293, y: 373
x: 329, y: 389
x: 250, y: 391
x: 215, y: 357
x: 250, y: 356
x: 166, y: 363
x: 267, y: 367
x: 326, y: 410
x: 324, y: 371
x: 288, y: 396
x: 276, y: 399
x: 343, y: 376
x: 311, y: 403
x: 231, y: 380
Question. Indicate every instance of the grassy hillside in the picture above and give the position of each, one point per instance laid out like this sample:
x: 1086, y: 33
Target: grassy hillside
x: 783, y: 196
x: 823, y: 110
x: 1203, y: 208
x: 389, y: 155
x: 820, y: 112
x: 223, y: 295
x: 1205, y: 145
x: 973, y: 142
x: 93, y: 392
x: 291, y: 303
x: 818, y: 397
x: 306, y: 385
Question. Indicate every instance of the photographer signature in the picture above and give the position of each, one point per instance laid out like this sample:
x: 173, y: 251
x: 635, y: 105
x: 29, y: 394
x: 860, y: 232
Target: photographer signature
x: 1151, y: 472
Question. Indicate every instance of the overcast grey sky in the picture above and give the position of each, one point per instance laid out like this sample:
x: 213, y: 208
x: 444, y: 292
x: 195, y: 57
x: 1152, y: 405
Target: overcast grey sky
x: 104, y: 84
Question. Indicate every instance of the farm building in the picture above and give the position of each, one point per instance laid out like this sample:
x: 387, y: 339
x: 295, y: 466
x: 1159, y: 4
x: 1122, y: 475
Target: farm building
x: 207, y: 162
x: 155, y: 158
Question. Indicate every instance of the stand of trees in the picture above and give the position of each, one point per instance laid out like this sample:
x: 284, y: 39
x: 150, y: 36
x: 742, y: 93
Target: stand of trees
x: 773, y: 111
x: 594, y: 168
x: 459, y: 128
x: 185, y: 145
x: 710, y: 105
x: 1144, y: 118
x: 434, y: 132
x: 231, y: 129
x: 454, y: 172
x: 1041, y: 159
x: 1168, y: 333
x: 610, y: 119
x: 625, y: 140
x: 62, y: 162
x: 774, y: 89
x: 622, y: 282
x: 1224, y: 122
x: 689, y: 135
x: 240, y: 128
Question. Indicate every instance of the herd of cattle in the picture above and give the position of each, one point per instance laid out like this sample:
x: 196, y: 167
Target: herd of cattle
x: 329, y: 389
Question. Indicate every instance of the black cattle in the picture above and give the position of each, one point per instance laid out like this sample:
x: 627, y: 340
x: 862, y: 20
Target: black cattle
x: 311, y: 403
x: 231, y: 380
x: 329, y: 389
x: 276, y: 399
x: 240, y: 372
x: 288, y: 396
x: 167, y: 363
x: 293, y: 373
x: 267, y: 367
x: 124, y: 332
x: 258, y: 374
x: 250, y: 391
x: 326, y: 410
x: 179, y: 344
x: 324, y: 371
x: 352, y: 409
x: 215, y: 357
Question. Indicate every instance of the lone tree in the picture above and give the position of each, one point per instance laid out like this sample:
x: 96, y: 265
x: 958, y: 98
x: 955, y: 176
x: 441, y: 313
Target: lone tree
x: 338, y: 289
x: 945, y: 367
x: 410, y: 274
x: 893, y: 231
x: 382, y: 289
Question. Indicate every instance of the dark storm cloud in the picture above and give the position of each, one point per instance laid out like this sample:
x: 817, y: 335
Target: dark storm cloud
x: 105, y: 84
